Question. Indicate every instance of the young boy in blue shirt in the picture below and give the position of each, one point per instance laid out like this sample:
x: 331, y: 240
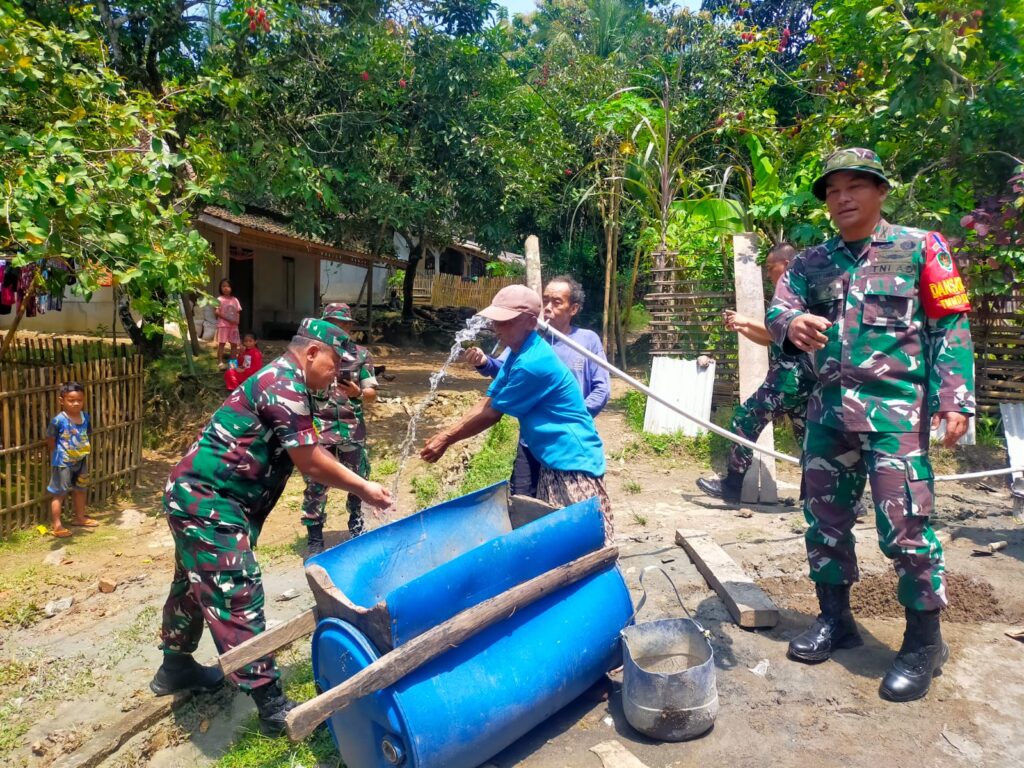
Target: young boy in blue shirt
x: 68, y: 438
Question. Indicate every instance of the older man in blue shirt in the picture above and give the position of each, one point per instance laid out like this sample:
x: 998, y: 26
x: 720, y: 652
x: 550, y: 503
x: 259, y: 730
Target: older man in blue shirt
x: 563, y: 299
x: 537, y: 388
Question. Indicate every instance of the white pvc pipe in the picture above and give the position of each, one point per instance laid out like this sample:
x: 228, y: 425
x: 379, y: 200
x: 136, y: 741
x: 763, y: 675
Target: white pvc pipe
x: 544, y: 326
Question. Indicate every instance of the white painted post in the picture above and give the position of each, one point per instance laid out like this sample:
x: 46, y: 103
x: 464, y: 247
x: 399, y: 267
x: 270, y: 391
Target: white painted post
x: 759, y: 483
x: 533, y: 276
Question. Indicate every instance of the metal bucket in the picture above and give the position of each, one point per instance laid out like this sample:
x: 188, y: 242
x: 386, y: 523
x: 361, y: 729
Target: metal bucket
x: 668, y: 676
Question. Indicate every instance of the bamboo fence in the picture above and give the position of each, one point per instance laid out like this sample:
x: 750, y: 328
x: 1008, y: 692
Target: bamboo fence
x: 31, y: 376
x: 996, y: 326
x: 686, y: 321
x: 455, y: 291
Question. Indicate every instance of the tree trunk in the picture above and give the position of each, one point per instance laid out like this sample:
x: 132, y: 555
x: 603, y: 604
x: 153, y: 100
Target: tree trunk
x: 151, y: 347
x: 415, y: 254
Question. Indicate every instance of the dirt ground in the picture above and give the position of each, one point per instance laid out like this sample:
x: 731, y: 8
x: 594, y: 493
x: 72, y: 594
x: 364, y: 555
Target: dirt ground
x: 67, y: 678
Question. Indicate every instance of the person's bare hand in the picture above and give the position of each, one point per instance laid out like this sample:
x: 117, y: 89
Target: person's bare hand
x: 956, y: 426
x: 806, y: 332
x: 434, y: 448
x: 729, y: 318
x: 350, y: 388
x: 474, y: 356
x: 377, y: 496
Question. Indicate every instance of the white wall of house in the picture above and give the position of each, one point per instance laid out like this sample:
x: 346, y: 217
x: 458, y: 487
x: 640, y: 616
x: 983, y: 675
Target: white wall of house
x: 344, y: 282
x: 77, y: 315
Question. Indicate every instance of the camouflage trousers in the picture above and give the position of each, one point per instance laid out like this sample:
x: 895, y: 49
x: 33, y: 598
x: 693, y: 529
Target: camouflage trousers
x: 835, y: 467
x: 560, y: 489
x: 753, y: 415
x: 229, y: 600
x: 314, y: 498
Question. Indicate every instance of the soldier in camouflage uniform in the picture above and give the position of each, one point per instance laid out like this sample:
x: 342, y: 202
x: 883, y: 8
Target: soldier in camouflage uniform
x: 341, y: 424
x: 889, y: 363
x: 217, y: 499
x: 784, y: 392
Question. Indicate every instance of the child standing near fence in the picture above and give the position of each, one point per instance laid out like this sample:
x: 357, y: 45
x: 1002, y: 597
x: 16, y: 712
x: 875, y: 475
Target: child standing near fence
x: 229, y: 312
x: 68, y: 438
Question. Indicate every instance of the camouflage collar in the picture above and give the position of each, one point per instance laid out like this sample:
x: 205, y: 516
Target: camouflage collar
x: 882, y: 234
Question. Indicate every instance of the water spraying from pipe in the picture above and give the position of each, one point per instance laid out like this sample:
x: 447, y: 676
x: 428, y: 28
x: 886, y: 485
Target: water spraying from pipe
x: 474, y: 325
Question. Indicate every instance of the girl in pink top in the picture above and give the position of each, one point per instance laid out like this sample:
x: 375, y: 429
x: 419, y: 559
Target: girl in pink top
x: 229, y: 312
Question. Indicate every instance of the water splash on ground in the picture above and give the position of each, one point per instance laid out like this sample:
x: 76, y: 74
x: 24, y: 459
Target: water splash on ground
x: 468, y: 334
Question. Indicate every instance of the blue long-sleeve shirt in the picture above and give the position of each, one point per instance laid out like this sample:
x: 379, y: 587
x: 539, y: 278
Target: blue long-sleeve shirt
x: 595, y: 384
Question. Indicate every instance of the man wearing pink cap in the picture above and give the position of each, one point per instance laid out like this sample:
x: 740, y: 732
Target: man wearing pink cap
x: 537, y: 388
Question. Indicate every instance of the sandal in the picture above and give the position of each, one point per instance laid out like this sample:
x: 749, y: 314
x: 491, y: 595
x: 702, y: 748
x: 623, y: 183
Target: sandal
x: 61, y: 533
x: 87, y: 523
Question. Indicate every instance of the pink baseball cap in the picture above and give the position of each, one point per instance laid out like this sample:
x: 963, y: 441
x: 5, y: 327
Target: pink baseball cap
x: 511, y: 302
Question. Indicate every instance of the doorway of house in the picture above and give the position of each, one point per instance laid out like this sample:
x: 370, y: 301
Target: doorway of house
x: 240, y: 275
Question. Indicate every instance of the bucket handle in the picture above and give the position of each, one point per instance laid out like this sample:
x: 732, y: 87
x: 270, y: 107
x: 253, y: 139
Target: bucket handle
x: 672, y: 584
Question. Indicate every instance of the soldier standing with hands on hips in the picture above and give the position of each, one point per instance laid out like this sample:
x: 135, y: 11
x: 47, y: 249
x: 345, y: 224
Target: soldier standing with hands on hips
x: 883, y: 313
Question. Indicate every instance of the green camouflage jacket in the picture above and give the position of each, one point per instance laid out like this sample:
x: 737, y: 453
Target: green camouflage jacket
x: 338, y: 418
x: 235, y: 472
x: 886, y: 366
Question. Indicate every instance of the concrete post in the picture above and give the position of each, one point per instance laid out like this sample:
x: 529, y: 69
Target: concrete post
x: 533, y: 276
x: 759, y: 484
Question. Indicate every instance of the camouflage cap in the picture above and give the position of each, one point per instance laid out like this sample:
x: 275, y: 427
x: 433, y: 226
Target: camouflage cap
x: 849, y: 159
x: 339, y: 312
x: 325, y: 332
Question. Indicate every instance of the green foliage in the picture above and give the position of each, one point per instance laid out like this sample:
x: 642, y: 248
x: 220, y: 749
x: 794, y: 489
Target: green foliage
x: 989, y: 430
x: 91, y: 176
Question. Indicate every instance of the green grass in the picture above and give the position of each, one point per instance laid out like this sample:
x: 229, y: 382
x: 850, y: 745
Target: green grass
x: 383, y: 469
x: 632, y: 487
x: 705, y: 449
x: 274, y: 553
x: 493, y: 462
x: 426, y: 488
x: 253, y: 750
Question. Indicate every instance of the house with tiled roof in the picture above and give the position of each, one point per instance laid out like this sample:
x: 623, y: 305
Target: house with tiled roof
x: 280, y: 275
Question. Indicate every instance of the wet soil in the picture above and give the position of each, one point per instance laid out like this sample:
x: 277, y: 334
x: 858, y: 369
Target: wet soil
x: 971, y: 598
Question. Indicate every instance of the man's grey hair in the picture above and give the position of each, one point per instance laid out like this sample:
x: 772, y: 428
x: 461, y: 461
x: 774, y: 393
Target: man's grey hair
x: 576, y: 293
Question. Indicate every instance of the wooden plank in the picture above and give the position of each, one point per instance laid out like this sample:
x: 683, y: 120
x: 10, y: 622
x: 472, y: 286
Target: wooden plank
x: 113, y: 737
x: 614, y: 755
x: 396, y: 664
x: 749, y: 605
x: 267, y: 642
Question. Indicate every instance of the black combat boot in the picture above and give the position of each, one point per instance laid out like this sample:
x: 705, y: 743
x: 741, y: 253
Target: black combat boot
x: 728, y: 488
x: 834, y: 628
x: 920, y: 658
x: 314, y: 540
x: 180, y: 672
x: 273, y: 707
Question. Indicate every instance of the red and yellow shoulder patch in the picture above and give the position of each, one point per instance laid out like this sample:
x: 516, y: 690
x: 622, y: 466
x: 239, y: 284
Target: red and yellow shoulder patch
x: 942, y: 289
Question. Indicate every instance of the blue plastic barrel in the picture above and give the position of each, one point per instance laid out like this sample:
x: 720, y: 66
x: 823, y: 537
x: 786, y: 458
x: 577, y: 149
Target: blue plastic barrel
x: 474, y: 700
